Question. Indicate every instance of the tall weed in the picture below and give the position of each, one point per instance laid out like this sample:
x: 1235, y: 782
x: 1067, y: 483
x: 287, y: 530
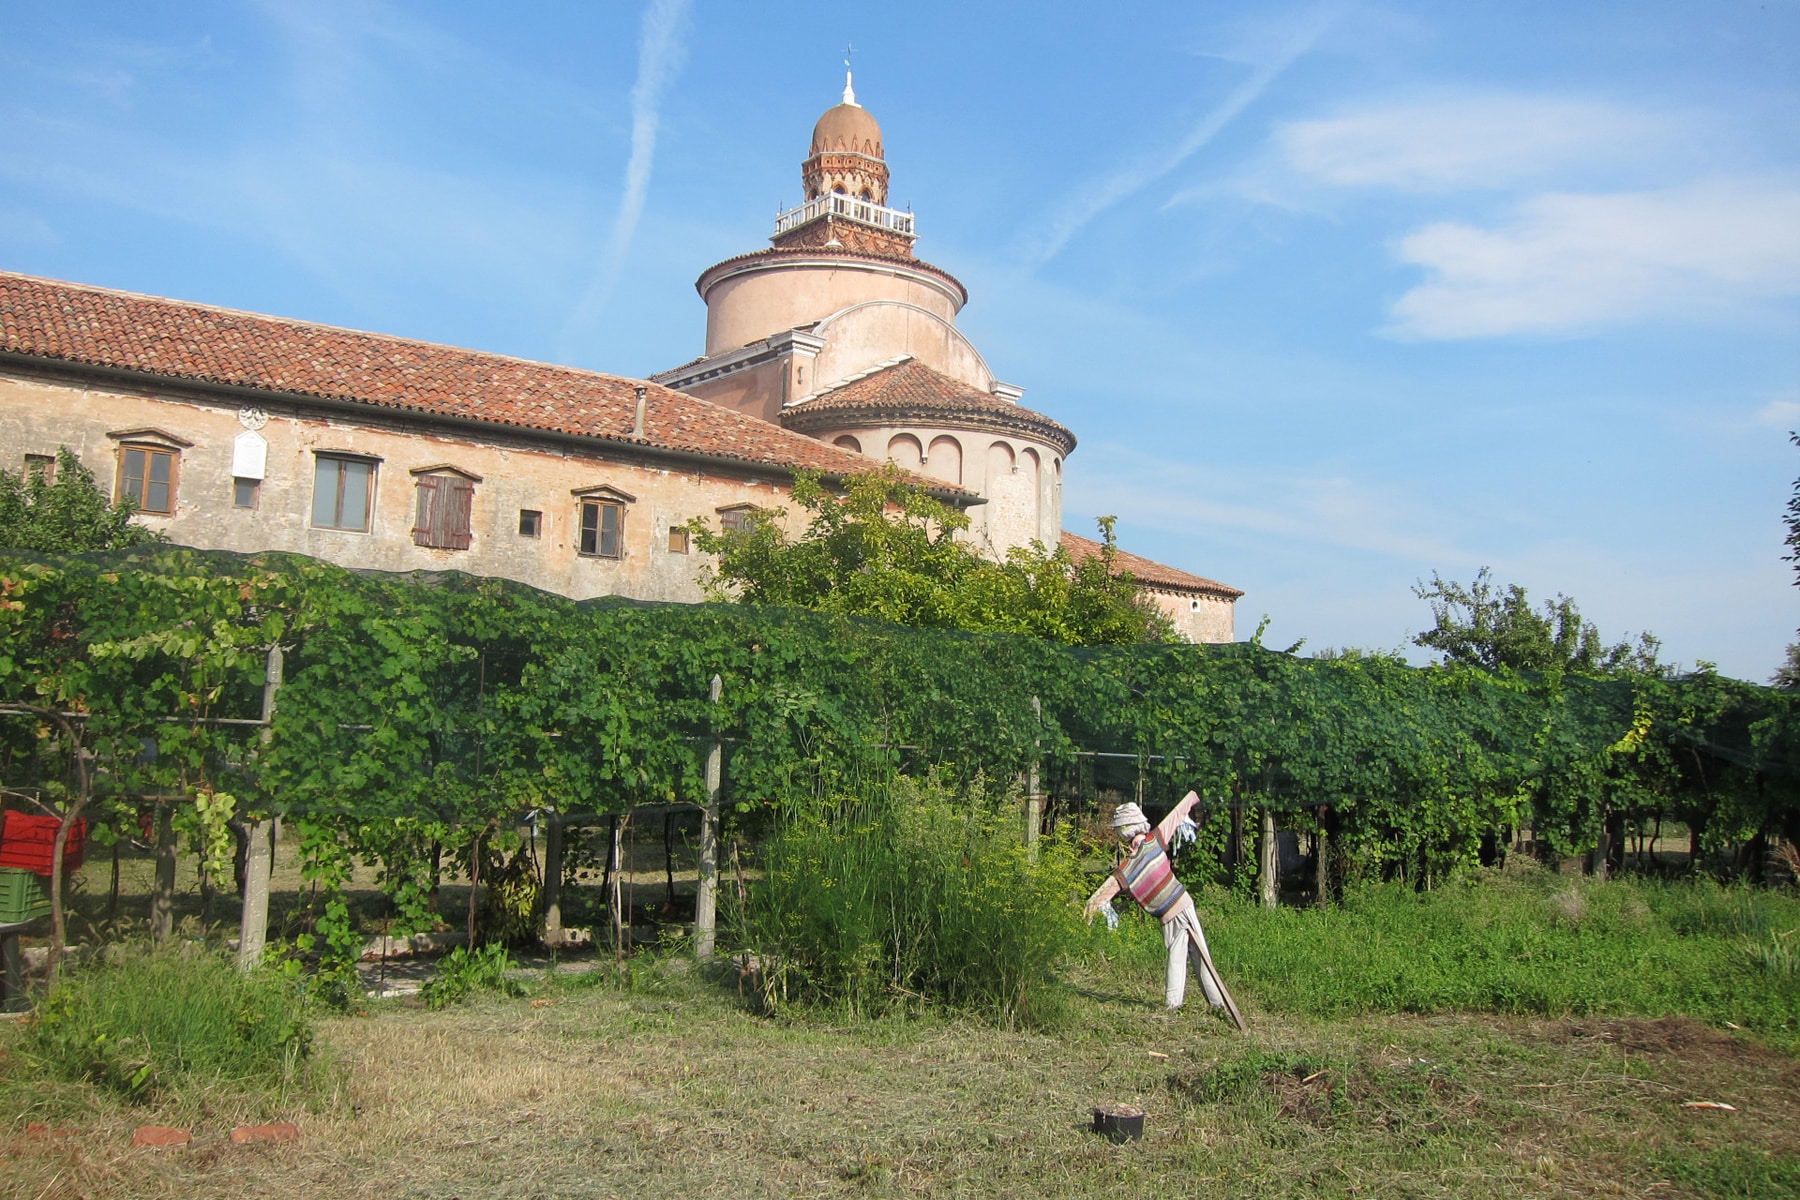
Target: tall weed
x: 913, y: 892
x: 148, y: 1023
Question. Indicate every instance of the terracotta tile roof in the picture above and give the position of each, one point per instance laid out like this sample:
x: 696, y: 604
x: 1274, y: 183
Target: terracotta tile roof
x: 170, y: 339
x: 912, y: 391
x: 1147, y: 571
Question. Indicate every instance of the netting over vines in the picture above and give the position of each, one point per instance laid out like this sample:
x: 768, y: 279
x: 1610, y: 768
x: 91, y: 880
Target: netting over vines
x: 423, y: 709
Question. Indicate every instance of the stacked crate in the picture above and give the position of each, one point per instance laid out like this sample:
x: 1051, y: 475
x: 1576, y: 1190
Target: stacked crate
x: 27, y: 845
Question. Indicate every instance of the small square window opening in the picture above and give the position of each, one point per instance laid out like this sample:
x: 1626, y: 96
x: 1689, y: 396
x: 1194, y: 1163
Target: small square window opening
x: 531, y: 523
x: 41, y: 465
x: 246, y: 493
x: 678, y: 540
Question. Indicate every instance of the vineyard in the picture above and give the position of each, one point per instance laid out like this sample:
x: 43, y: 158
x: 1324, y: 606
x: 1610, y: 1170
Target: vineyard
x: 409, y: 721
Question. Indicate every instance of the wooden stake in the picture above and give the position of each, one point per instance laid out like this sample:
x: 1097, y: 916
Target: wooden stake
x: 162, y: 896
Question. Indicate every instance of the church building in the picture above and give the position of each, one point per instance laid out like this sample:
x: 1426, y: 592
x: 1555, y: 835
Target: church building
x: 831, y: 350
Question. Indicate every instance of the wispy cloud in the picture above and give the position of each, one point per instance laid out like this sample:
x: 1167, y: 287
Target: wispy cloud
x: 1573, y: 263
x: 1468, y: 141
x: 661, y: 51
x: 1101, y: 194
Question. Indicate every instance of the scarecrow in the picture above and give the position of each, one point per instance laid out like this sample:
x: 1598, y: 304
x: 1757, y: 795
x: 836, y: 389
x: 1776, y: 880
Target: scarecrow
x: 1148, y: 876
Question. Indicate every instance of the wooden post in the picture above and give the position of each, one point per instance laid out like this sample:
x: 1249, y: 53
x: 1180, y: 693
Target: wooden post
x: 1269, y: 864
x: 259, y: 863
x: 12, y: 971
x: 706, y: 892
x: 1321, y: 863
x: 1034, y: 798
x: 553, y: 879
x: 162, y: 897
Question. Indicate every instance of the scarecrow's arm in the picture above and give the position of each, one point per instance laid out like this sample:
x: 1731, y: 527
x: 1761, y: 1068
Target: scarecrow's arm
x: 1105, y: 892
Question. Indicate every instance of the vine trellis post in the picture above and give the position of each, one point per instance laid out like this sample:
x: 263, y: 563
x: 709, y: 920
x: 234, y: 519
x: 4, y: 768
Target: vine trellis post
x: 706, y: 890
x: 259, y: 865
x: 1034, y: 797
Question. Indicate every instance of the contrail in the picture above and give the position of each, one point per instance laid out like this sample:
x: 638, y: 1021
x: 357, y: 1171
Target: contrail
x: 1101, y: 195
x: 660, y: 55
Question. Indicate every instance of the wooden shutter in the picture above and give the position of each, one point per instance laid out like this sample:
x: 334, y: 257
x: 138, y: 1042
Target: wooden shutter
x: 456, y: 498
x: 426, y: 520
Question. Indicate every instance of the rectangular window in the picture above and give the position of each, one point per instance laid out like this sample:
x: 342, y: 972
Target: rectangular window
x: 246, y: 493
x: 445, y: 502
x: 736, y: 518
x: 678, y: 540
x: 531, y: 523
x: 41, y: 465
x: 602, y: 528
x: 342, y: 491
x: 148, y: 477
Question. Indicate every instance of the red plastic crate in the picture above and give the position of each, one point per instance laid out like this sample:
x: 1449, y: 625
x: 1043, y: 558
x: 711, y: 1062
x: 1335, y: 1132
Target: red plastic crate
x: 28, y: 840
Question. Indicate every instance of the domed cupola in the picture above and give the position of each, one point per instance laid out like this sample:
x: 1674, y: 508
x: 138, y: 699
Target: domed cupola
x: 845, y: 156
x: 846, y: 180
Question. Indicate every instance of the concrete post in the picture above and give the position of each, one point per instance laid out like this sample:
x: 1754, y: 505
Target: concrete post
x: 1269, y: 868
x: 259, y: 865
x: 706, y: 892
x: 553, y: 877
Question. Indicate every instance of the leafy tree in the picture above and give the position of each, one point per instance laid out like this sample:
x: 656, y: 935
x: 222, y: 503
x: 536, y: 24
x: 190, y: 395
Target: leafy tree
x: 66, y: 516
x: 885, y: 548
x: 1488, y: 626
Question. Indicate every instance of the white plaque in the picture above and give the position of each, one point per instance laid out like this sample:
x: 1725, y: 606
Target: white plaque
x: 249, y: 454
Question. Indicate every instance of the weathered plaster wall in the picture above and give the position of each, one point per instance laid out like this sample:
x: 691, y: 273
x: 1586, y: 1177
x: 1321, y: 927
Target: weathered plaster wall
x: 763, y: 300
x: 1198, y: 617
x: 867, y: 335
x: 37, y: 415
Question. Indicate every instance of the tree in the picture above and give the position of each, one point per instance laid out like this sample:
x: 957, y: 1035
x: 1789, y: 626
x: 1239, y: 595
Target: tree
x: 1787, y: 676
x: 65, y: 516
x: 885, y: 548
x: 1485, y: 625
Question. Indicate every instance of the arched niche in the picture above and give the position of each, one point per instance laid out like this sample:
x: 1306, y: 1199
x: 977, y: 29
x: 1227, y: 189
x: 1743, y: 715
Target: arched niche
x: 846, y: 442
x: 904, y: 450
x: 945, y: 459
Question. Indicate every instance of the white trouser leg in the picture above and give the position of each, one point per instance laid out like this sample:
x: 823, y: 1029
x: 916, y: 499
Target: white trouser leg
x: 1179, y: 930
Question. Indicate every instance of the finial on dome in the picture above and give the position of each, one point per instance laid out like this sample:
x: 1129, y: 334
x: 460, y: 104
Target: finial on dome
x: 849, y: 91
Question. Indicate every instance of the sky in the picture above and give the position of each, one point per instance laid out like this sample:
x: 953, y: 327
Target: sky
x: 1335, y: 295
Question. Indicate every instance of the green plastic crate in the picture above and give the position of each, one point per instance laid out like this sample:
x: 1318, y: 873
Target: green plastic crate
x: 22, y: 896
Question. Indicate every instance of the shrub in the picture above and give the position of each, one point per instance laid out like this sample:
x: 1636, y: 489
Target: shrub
x: 142, y: 1023
x: 913, y: 893
x: 464, y: 972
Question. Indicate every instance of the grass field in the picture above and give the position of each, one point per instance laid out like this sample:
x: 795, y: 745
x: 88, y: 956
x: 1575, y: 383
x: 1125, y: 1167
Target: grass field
x: 670, y: 1086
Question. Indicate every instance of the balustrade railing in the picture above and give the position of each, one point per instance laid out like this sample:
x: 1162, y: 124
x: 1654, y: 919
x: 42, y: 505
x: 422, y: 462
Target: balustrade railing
x: 839, y: 205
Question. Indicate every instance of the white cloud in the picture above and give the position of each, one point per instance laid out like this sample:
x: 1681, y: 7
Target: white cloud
x: 1573, y: 263
x: 1457, y: 142
x: 660, y: 55
x: 1781, y: 412
x: 1099, y: 195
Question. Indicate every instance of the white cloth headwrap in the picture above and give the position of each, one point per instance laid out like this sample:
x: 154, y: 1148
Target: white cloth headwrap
x: 1129, y: 816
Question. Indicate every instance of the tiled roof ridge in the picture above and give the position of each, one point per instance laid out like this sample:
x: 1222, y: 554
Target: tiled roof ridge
x: 847, y: 380
x: 957, y: 403
x: 156, y: 337
x: 1146, y: 571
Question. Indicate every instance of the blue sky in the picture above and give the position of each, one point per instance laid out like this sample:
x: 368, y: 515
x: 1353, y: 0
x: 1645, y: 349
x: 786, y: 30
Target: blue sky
x: 1335, y: 295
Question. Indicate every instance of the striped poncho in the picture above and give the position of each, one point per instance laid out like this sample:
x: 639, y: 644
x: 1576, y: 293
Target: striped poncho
x: 1149, y: 878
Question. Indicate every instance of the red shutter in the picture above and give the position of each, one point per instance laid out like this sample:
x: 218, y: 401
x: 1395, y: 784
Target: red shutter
x: 456, y: 499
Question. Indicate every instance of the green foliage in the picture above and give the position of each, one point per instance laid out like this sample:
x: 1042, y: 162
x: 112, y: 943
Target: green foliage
x: 67, y: 516
x: 148, y: 1023
x: 463, y: 972
x: 886, y: 549
x: 1481, y: 625
x: 913, y: 892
